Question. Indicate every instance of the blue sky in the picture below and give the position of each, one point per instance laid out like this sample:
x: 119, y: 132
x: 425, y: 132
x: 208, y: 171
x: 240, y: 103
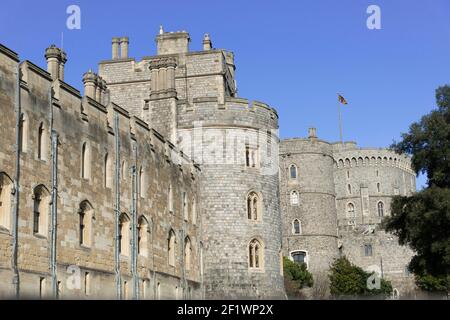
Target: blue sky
x: 294, y: 55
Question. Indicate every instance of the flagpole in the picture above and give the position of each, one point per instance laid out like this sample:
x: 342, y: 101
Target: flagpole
x: 340, y: 121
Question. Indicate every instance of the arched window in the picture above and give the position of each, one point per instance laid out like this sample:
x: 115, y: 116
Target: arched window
x: 142, y: 185
x: 293, y: 171
x: 142, y: 231
x: 85, y: 226
x: 255, y: 255
x: 299, y: 257
x: 294, y: 198
x: 85, y: 161
x: 5, y: 201
x: 42, y: 142
x: 380, y: 207
x: 41, y: 208
x: 171, y: 248
x: 351, y: 216
x: 296, y: 227
x: 170, y: 199
x: 23, y: 132
x: 194, y: 211
x: 124, y: 234
x: 185, y: 206
x: 187, y: 253
x: 253, y: 206
x: 108, y: 177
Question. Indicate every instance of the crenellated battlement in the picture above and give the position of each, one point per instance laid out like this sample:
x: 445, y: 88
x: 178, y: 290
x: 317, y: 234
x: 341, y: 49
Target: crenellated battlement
x: 361, y: 157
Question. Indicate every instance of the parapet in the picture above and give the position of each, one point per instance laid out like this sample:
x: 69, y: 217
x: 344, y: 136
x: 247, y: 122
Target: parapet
x: 234, y: 112
x: 172, y: 42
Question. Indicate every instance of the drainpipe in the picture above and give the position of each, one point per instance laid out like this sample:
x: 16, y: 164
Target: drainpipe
x: 117, y: 210
x: 15, y: 227
x: 54, y: 195
x: 183, y: 259
x: 133, y: 227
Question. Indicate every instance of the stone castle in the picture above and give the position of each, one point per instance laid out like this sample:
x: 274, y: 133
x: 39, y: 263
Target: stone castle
x: 161, y: 183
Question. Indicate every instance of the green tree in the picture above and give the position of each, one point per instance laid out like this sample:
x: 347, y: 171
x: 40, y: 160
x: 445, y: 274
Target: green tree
x: 422, y: 220
x: 350, y: 281
x: 296, y: 277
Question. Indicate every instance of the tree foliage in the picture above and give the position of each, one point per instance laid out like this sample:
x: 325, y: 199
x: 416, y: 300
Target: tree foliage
x: 422, y: 220
x: 350, y: 281
x: 296, y: 277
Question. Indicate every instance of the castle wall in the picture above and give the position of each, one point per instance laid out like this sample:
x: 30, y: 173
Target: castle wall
x: 330, y: 177
x: 209, y: 121
x: 78, y: 120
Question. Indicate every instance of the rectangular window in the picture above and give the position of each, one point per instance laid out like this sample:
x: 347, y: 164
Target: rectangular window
x: 87, y: 283
x: 251, y: 157
x: 368, y: 250
x: 41, y: 287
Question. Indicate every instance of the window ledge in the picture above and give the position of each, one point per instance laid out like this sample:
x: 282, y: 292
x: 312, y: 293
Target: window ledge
x: 39, y: 235
x: 85, y: 247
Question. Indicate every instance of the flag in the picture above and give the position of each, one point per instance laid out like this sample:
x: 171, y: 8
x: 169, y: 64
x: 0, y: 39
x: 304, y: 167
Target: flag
x: 342, y: 99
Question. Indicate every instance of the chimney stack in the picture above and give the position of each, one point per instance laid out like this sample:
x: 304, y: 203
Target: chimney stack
x: 124, y: 47
x: 115, y: 48
x: 207, y: 44
x: 312, y: 133
x: 56, y: 58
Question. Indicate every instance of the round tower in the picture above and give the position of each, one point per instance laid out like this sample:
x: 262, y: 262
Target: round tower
x: 308, y: 204
x: 366, y: 181
x: 236, y: 145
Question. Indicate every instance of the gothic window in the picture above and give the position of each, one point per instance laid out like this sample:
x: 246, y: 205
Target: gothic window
x: 293, y: 171
x: 108, y: 177
x: 294, y: 198
x: 351, y: 216
x: 142, y: 231
x: 85, y: 213
x: 171, y: 248
x: 253, y: 206
x: 41, y: 208
x: 23, y: 132
x: 185, y: 207
x: 299, y: 256
x: 124, y: 234
x: 296, y: 227
x: 380, y: 207
x: 368, y: 250
x: 5, y: 201
x: 187, y: 253
x: 85, y: 161
x: 255, y: 254
x: 42, y: 142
